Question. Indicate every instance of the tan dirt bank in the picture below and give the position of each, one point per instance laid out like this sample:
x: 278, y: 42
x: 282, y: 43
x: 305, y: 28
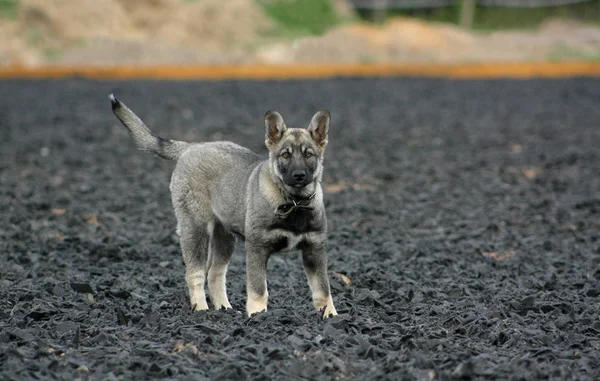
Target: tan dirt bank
x: 175, y: 32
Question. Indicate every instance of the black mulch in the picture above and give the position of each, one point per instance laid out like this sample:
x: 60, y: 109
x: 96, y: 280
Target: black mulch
x: 464, y: 214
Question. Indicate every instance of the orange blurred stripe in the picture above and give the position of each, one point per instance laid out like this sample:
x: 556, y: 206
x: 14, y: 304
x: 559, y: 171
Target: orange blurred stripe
x: 493, y: 70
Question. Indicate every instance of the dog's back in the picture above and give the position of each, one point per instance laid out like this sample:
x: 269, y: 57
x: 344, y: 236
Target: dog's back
x: 210, y: 181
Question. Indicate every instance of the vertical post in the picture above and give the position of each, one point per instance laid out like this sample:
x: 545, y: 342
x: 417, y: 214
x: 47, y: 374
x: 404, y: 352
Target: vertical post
x: 467, y: 13
x: 380, y: 11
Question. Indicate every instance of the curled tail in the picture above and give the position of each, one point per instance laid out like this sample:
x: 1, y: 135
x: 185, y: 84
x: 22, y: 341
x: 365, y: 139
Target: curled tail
x: 145, y: 139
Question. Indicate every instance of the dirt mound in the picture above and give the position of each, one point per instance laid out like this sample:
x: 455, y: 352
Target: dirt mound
x: 402, y: 39
x: 409, y: 40
x: 152, y: 28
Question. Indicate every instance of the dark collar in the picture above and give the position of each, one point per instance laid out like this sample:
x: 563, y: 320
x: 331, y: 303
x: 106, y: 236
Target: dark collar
x: 284, y: 210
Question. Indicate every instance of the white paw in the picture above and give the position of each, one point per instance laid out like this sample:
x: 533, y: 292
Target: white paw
x: 222, y: 304
x: 198, y: 304
x: 254, y: 312
x: 256, y: 304
x: 325, y: 307
x: 329, y: 312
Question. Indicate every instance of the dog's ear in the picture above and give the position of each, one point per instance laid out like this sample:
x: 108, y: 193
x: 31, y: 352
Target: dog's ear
x: 275, y: 127
x: 319, y: 126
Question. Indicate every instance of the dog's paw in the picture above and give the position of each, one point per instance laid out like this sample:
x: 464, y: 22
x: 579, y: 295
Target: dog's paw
x: 256, y: 303
x: 255, y: 311
x: 219, y: 300
x: 223, y: 306
x: 328, y: 311
x: 197, y: 308
x: 324, y: 305
x: 199, y: 305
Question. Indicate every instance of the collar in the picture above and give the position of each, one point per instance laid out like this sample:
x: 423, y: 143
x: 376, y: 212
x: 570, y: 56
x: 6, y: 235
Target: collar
x: 284, y: 210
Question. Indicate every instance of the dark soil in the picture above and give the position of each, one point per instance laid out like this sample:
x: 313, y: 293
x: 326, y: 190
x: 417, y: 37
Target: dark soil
x: 465, y: 214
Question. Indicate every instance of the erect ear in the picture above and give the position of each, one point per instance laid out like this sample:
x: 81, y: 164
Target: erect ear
x: 319, y: 126
x: 275, y: 127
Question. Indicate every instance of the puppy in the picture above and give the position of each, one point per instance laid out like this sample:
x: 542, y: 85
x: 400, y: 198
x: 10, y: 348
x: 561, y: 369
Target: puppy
x: 221, y: 190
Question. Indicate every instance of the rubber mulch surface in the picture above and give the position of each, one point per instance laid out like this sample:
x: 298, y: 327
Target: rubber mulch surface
x: 464, y: 233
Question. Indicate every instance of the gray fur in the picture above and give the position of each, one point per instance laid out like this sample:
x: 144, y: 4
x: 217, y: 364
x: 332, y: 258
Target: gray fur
x: 220, y: 189
x: 143, y: 138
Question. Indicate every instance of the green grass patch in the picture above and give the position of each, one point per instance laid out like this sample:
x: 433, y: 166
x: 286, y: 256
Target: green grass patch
x: 34, y: 35
x: 8, y: 9
x: 301, y: 16
x: 53, y: 54
x: 491, y: 19
x: 567, y: 53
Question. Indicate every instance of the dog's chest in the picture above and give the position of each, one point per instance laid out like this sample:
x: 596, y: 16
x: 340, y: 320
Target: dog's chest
x: 299, y: 222
x: 289, y: 232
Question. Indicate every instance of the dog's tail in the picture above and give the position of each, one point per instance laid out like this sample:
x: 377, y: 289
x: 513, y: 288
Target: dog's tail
x: 144, y: 139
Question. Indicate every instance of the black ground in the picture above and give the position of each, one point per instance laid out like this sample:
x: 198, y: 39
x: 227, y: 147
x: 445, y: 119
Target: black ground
x: 464, y: 213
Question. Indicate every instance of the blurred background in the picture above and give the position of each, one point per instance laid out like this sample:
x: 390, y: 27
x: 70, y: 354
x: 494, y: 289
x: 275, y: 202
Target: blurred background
x: 187, y: 32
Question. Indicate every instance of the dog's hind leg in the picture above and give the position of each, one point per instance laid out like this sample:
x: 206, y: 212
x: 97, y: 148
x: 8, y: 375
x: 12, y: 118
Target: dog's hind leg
x: 194, y: 246
x: 222, y: 243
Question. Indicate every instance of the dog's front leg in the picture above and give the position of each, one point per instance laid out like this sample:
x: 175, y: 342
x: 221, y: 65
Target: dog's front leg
x: 314, y: 258
x: 256, y: 274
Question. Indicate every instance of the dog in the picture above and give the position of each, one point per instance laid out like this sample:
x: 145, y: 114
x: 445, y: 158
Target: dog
x: 221, y: 190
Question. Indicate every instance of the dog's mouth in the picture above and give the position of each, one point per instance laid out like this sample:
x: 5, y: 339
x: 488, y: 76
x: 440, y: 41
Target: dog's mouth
x: 298, y: 189
x: 291, y: 183
x: 297, y: 185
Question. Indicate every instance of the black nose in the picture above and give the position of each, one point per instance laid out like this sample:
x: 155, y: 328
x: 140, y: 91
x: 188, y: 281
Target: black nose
x: 298, y: 175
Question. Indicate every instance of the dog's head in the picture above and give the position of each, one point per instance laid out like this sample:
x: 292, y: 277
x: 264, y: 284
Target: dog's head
x: 296, y: 154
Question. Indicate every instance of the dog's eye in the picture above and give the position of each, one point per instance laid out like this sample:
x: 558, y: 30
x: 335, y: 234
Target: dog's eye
x: 308, y: 154
x: 286, y: 155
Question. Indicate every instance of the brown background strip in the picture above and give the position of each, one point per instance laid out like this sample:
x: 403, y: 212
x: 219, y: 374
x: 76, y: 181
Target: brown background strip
x: 511, y: 70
